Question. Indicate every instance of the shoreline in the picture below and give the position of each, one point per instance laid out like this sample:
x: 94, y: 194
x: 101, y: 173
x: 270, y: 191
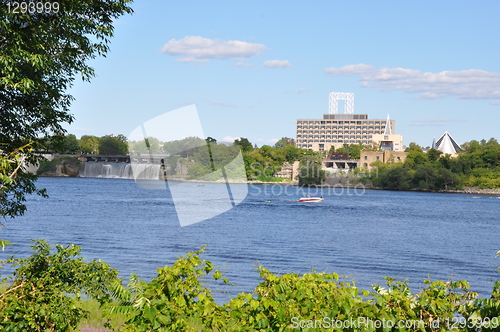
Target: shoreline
x: 468, y: 190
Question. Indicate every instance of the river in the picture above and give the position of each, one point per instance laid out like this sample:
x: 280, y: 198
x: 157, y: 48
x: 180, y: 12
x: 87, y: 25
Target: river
x: 363, y: 234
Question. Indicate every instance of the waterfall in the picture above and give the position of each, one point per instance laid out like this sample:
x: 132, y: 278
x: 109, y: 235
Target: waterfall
x: 108, y: 170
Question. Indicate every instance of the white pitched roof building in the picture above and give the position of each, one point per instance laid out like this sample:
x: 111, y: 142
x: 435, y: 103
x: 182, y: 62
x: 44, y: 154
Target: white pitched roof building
x: 446, y: 144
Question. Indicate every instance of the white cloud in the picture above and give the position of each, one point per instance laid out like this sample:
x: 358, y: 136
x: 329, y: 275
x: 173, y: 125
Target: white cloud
x: 434, y: 122
x: 199, y: 49
x: 349, y: 70
x: 230, y: 138
x: 302, y: 90
x: 244, y: 64
x: 464, y: 84
x: 277, y: 64
x: 495, y: 102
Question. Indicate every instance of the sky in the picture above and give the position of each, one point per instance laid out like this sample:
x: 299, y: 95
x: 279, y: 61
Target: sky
x: 252, y: 68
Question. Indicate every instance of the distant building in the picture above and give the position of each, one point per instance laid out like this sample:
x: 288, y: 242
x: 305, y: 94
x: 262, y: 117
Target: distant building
x: 368, y: 157
x: 446, y: 144
x: 348, y: 128
x: 338, y: 129
x: 340, y: 161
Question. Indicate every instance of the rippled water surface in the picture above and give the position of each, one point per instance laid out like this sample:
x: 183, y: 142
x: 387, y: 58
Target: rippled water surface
x: 364, y: 234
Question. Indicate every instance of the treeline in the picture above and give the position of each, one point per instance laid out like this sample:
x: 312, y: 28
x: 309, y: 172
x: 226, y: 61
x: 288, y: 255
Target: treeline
x: 87, y: 144
x: 477, y: 165
x: 44, y: 296
x: 202, y: 156
x: 261, y: 164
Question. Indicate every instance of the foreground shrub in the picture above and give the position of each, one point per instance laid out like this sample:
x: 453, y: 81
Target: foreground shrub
x: 46, y: 287
x: 176, y: 301
x: 44, y: 296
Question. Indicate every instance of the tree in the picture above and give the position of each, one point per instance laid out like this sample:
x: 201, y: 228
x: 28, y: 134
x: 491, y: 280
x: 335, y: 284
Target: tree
x: 211, y: 140
x: 244, y: 143
x: 311, y: 172
x: 68, y: 144
x: 413, y: 147
x: 355, y: 150
x: 448, y: 178
x: 41, y: 53
x: 291, y: 153
x: 433, y: 154
x: 425, y: 177
x: 395, y: 178
x: 38, y: 297
x: 89, y: 144
x: 283, y: 142
x: 113, y: 145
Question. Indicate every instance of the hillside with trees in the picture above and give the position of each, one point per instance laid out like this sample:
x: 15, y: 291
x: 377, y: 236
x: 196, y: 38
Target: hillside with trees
x: 477, y: 165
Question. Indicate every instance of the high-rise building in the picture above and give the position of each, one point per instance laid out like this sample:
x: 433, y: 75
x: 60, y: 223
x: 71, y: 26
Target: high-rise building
x: 338, y: 129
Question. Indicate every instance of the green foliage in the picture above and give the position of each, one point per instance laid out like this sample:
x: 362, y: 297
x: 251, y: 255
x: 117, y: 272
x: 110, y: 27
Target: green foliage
x: 244, y: 143
x: 284, y: 142
x: 310, y: 171
x: 175, y: 299
x: 113, y: 145
x: 185, y: 147
x: 41, y: 54
x: 64, y: 144
x: 46, y: 288
x: 478, y: 165
x: 89, y: 144
x: 433, y: 154
x: 99, y: 319
x: 44, y: 296
x: 397, y: 177
x: 49, y: 167
x: 208, y: 161
x: 355, y: 150
x: 14, y: 182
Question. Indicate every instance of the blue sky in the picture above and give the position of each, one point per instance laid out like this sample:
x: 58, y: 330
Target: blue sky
x: 253, y: 67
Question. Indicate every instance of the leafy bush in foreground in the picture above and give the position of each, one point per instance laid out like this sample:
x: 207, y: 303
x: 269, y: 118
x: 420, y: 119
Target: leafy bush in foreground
x: 46, y: 288
x: 177, y: 300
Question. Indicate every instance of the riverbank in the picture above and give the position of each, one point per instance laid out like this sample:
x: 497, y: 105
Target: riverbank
x: 344, y: 184
x: 468, y: 190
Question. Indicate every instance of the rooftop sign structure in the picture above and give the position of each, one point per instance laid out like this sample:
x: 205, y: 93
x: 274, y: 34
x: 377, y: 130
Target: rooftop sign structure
x: 334, y: 102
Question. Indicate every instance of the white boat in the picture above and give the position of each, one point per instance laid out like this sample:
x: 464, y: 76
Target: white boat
x: 311, y: 199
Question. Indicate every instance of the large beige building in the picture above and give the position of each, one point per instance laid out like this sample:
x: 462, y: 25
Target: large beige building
x: 337, y: 129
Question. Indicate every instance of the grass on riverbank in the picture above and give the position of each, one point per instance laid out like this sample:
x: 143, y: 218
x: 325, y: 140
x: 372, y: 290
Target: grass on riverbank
x: 97, y: 318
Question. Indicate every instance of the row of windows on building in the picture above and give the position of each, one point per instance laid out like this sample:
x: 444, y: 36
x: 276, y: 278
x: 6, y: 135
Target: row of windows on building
x: 308, y: 145
x: 326, y: 122
x: 305, y: 128
x: 343, y: 132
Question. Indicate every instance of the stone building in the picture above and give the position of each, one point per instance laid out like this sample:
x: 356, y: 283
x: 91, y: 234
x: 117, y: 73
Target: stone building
x: 368, y: 157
